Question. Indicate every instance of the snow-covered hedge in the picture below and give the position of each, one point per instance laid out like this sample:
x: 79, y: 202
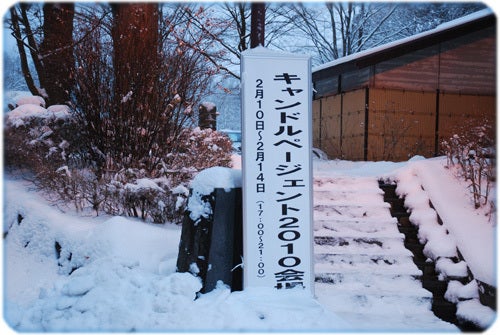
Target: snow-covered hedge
x: 48, y: 143
x: 38, y: 136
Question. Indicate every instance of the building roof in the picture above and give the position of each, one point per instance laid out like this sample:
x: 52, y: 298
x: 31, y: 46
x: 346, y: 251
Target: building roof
x: 467, y: 24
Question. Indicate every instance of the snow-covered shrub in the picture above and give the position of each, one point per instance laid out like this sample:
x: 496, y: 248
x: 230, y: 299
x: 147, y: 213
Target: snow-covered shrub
x: 150, y: 199
x: 471, y: 150
x: 199, y: 149
x: 39, y: 137
x: 46, y: 142
x: 161, y: 194
x: 158, y: 196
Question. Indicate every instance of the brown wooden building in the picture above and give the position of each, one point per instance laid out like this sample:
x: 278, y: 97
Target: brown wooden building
x: 401, y: 99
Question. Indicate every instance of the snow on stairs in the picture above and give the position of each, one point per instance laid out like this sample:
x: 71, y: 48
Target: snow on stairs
x: 360, y: 254
x: 441, y: 307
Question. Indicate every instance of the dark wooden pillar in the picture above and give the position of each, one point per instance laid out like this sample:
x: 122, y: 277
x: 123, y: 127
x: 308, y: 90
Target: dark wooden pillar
x: 258, y: 23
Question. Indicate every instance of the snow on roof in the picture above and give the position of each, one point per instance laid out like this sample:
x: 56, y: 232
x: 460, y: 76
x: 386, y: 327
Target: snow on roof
x: 443, y: 27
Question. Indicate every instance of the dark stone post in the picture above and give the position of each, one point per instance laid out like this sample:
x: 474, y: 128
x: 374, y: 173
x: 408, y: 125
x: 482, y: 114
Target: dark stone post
x: 212, y: 247
x: 195, y: 243
x: 225, y: 256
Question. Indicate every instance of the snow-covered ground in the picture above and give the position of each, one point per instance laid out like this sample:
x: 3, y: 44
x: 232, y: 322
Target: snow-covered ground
x: 126, y: 279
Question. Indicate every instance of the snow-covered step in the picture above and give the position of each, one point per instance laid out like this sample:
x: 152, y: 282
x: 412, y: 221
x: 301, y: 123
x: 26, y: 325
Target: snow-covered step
x: 329, y: 259
x: 399, y: 313
x: 406, y: 295
x: 383, y: 264
x: 327, y: 210
x: 356, y: 230
x: 382, y: 298
x: 365, y: 245
x: 346, y: 198
x: 347, y: 280
x: 347, y: 184
x: 363, y: 241
x: 379, y: 285
x: 369, y: 223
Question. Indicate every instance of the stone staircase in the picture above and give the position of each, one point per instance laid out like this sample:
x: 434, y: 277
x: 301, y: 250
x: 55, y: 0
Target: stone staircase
x: 360, y: 255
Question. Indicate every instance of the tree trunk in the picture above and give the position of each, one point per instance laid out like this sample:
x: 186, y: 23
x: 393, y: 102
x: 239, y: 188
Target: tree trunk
x: 135, y: 49
x: 136, y: 76
x: 56, y: 52
x: 258, y: 23
x: 16, y: 30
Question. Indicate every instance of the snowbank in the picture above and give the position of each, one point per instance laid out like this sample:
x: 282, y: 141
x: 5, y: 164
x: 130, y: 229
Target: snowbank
x: 123, y: 271
x: 127, y: 280
x: 463, y: 225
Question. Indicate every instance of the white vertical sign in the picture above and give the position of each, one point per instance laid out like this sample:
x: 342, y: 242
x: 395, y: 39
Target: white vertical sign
x: 277, y: 170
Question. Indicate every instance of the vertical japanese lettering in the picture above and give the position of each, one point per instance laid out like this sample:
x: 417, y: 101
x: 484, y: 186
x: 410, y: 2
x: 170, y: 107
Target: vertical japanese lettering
x: 289, y: 111
x: 260, y: 179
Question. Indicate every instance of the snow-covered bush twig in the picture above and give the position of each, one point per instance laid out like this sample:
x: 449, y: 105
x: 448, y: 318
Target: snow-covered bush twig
x: 472, y: 150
